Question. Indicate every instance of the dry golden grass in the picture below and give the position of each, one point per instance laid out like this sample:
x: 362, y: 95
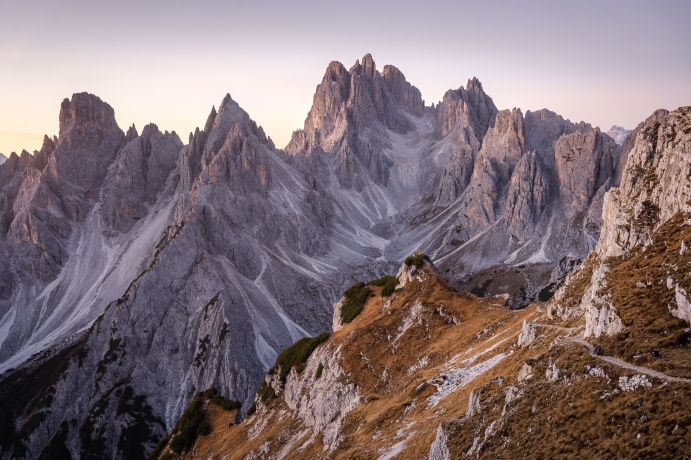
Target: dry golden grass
x: 563, y: 419
x: 572, y: 420
x: 638, y: 284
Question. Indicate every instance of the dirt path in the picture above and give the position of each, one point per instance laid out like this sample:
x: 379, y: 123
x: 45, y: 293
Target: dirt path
x: 624, y: 364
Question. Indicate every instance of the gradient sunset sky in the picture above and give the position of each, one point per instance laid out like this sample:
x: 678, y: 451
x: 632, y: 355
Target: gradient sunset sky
x: 605, y: 62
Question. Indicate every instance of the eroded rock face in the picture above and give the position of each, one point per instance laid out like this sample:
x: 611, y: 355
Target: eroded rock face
x: 655, y: 183
x: 439, y: 451
x: 683, y: 310
x: 407, y: 274
x: 337, y: 320
x: 585, y: 163
x: 141, y: 171
x: 322, y: 403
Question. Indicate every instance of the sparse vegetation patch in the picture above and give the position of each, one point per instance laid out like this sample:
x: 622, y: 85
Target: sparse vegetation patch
x: 388, y: 284
x: 296, y: 355
x: 355, y: 299
x: 414, y: 260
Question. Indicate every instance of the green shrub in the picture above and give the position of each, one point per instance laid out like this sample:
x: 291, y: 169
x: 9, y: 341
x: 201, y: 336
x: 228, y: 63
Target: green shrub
x: 388, y: 284
x: 192, y: 424
x: 266, y: 392
x: 355, y: 299
x: 252, y: 409
x: 226, y: 404
x: 156, y: 453
x: 210, y: 393
x: 320, y: 369
x: 296, y: 354
x: 414, y: 260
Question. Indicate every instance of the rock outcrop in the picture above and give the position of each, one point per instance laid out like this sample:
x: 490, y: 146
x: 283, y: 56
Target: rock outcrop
x: 654, y: 185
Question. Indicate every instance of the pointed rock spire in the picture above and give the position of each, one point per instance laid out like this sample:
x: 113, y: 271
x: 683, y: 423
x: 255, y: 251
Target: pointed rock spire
x: 210, y: 119
x: 131, y: 134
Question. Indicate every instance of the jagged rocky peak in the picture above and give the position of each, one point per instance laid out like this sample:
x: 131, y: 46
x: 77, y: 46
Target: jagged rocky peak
x: 466, y: 108
x: 3, y: 158
x: 131, y: 134
x: 618, y: 133
x: 229, y: 119
x: 195, y: 146
x: 367, y: 68
x: 139, y: 175
x: 502, y: 148
x: 86, y: 111
x: 362, y: 97
x: 88, y: 142
x: 225, y: 128
x: 405, y: 95
x: 464, y: 116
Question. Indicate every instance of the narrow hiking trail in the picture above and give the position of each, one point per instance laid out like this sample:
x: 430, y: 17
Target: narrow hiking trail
x: 624, y: 364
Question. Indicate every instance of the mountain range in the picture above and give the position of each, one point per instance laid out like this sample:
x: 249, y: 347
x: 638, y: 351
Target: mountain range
x: 138, y: 270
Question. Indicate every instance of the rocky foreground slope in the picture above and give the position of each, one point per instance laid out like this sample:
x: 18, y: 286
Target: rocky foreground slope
x: 433, y: 373
x: 136, y: 270
x: 602, y: 370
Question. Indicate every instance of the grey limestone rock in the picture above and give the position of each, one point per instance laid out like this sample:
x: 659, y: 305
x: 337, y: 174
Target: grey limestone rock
x: 654, y: 184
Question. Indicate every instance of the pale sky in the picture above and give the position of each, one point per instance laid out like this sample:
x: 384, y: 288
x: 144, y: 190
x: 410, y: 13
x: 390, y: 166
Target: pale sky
x: 605, y: 62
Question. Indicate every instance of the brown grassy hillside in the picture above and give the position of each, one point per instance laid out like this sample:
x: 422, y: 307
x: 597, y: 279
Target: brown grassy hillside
x: 499, y: 383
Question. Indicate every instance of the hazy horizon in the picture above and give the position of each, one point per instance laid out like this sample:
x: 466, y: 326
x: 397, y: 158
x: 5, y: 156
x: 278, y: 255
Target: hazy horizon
x: 606, y: 63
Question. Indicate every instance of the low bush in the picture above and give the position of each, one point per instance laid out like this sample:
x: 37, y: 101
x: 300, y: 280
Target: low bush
x: 320, y: 369
x: 192, y: 424
x: 158, y: 450
x: 266, y: 392
x: 226, y: 404
x: 355, y: 299
x: 415, y: 260
x: 296, y: 354
x: 388, y: 284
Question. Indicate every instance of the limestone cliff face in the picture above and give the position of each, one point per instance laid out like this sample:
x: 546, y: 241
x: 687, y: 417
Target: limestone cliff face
x: 654, y: 185
x: 464, y: 116
x: 349, y: 119
x: 141, y: 170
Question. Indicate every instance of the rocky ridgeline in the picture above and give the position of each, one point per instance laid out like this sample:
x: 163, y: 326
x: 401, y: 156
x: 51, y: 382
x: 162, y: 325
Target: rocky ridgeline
x: 144, y: 270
